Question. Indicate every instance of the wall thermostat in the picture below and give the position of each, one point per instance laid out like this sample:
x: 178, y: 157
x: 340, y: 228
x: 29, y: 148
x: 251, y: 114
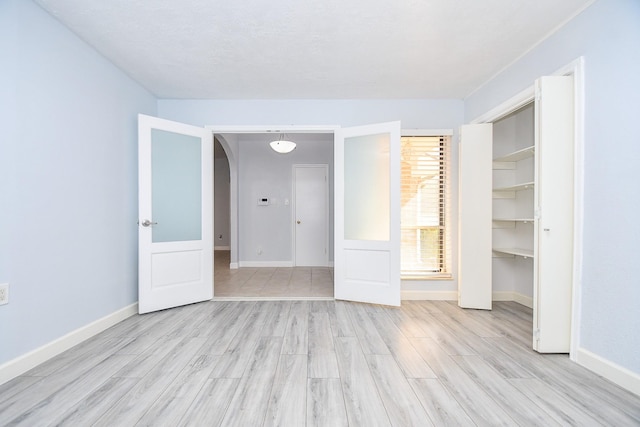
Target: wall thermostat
x: 263, y: 201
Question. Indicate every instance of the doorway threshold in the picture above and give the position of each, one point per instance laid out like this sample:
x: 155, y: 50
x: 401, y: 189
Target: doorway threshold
x: 239, y: 298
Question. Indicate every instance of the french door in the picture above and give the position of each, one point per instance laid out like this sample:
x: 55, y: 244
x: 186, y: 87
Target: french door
x: 367, y: 214
x: 175, y: 205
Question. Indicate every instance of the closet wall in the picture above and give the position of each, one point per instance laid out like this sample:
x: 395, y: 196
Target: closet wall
x: 513, y: 205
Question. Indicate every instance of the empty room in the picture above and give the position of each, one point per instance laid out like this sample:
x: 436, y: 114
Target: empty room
x: 319, y: 213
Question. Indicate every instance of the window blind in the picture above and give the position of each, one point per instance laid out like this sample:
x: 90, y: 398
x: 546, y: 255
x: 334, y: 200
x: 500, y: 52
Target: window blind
x: 425, y: 243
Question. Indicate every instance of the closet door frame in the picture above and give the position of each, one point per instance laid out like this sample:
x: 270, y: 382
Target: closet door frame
x: 526, y: 96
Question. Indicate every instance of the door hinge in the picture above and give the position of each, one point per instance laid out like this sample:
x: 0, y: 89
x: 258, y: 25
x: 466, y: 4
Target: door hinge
x: 536, y: 334
x: 538, y: 94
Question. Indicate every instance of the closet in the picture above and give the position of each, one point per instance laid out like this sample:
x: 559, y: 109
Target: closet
x: 516, y: 230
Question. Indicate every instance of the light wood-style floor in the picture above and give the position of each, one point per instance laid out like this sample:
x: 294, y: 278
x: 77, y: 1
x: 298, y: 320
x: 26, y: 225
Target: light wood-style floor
x: 315, y: 363
x: 270, y: 282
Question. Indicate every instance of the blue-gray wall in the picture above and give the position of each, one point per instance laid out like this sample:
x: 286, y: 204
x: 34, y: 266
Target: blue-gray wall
x: 68, y: 153
x: 607, y: 34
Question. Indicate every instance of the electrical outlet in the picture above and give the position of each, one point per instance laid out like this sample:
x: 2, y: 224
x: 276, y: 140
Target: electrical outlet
x: 4, y: 293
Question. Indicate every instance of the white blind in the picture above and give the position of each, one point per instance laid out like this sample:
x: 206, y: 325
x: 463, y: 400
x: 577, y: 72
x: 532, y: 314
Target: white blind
x: 425, y: 206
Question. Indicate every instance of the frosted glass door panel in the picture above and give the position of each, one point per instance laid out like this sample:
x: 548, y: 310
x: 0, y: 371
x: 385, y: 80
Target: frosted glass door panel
x: 366, y: 187
x: 176, y: 186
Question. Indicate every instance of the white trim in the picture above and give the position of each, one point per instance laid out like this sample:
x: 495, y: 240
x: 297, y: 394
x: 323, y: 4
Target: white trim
x: 522, y: 299
x: 613, y: 372
x: 577, y: 68
x: 273, y: 128
x: 507, y: 107
x: 222, y: 248
x: 426, y: 132
x: 243, y: 264
x: 429, y: 295
x: 233, y: 266
x: 30, y: 360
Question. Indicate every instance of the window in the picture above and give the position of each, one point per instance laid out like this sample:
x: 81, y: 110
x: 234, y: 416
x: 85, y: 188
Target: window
x: 425, y: 248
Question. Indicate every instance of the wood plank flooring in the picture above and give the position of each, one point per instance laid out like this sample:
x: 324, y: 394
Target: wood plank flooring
x: 315, y: 363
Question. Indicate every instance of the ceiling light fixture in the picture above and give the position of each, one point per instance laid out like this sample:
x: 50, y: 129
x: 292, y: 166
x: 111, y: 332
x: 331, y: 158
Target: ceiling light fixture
x: 282, y: 146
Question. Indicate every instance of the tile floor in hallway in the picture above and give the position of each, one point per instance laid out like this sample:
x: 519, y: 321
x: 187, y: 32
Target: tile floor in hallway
x: 270, y: 282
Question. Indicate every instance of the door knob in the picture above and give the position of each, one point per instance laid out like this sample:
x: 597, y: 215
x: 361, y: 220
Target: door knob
x: 298, y: 221
x: 147, y: 223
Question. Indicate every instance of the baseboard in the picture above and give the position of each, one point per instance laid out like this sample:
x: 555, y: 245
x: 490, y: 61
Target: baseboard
x: 615, y: 373
x: 222, y: 248
x: 265, y: 264
x: 525, y: 300
x: 24, y: 363
x: 429, y: 295
x: 233, y: 266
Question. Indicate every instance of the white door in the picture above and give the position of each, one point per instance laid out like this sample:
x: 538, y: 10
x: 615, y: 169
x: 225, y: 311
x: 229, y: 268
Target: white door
x: 553, y: 247
x: 175, y: 196
x: 311, y: 214
x: 474, y: 216
x: 367, y: 214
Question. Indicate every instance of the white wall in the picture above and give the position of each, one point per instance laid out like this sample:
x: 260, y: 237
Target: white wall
x: 68, y: 153
x: 607, y: 34
x: 265, y: 232
x: 221, y: 215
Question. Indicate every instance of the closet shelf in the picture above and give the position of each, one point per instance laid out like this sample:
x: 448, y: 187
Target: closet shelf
x: 526, y: 253
x: 516, y: 156
x: 523, y: 220
x: 517, y: 187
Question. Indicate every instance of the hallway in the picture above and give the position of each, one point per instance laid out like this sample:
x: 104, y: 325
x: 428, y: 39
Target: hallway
x: 270, y: 282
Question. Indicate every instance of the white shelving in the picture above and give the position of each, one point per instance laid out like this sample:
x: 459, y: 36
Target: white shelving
x: 526, y: 253
x: 513, y: 221
x: 509, y: 161
x: 509, y: 192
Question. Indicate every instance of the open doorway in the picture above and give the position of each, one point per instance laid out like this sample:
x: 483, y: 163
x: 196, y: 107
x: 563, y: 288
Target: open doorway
x: 257, y: 255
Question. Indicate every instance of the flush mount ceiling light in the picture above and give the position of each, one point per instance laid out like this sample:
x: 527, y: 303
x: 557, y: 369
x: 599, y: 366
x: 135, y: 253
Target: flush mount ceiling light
x: 282, y: 146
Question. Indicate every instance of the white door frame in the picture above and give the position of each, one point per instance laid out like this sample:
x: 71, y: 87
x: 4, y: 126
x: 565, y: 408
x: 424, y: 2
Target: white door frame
x: 575, y: 69
x: 294, y: 229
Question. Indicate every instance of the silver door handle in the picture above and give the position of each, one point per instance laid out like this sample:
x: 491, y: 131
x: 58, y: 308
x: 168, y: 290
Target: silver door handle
x: 147, y: 223
x: 298, y: 221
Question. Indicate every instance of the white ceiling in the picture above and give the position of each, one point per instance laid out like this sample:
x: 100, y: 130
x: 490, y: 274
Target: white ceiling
x: 286, y: 49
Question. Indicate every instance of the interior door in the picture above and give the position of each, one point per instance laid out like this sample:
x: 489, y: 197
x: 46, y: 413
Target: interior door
x: 175, y: 197
x: 367, y: 214
x: 553, y: 247
x: 311, y: 214
x: 474, y: 216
